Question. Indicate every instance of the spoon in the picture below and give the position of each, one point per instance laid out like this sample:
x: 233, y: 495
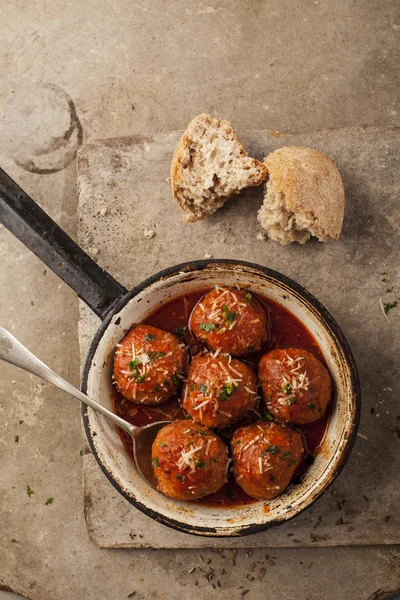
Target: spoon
x: 12, y: 351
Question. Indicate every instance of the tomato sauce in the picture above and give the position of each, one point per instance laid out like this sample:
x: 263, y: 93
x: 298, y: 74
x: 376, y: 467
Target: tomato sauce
x: 285, y: 331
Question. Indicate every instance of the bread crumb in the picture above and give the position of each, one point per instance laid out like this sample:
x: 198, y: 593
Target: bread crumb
x: 207, y: 255
x: 149, y: 233
x: 223, y: 240
x: 262, y: 237
x: 93, y: 251
x: 103, y: 212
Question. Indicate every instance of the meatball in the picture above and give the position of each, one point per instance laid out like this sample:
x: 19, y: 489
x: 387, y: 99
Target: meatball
x: 230, y: 320
x: 220, y: 390
x: 265, y: 457
x: 189, y: 461
x: 148, y: 365
x: 296, y: 386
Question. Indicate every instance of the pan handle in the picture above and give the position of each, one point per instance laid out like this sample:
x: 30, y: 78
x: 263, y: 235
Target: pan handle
x: 34, y: 228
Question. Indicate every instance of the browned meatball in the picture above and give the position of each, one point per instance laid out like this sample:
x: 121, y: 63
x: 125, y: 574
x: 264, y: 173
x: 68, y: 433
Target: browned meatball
x: 265, y: 457
x: 189, y: 461
x: 230, y: 320
x: 296, y: 386
x: 220, y: 390
x: 148, y: 365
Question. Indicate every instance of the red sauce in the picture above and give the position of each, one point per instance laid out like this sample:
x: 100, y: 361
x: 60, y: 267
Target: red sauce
x: 285, y: 331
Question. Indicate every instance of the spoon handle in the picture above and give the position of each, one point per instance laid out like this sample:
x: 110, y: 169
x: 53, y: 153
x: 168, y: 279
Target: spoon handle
x: 12, y: 351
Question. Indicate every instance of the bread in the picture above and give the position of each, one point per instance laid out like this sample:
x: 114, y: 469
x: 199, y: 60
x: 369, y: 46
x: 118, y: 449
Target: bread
x: 304, y: 196
x: 209, y: 166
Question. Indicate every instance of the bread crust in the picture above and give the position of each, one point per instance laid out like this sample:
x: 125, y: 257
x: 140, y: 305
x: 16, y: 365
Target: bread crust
x: 311, y: 185
x: 177, y: 176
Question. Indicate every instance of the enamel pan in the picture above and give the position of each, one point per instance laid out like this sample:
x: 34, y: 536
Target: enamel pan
x: 119, y: 308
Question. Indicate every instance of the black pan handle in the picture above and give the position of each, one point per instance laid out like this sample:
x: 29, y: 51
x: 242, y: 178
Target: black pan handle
x: 34, y: 228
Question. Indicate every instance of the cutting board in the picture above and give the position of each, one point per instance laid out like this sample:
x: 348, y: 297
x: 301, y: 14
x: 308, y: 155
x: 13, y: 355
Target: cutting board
x: 124, y: 193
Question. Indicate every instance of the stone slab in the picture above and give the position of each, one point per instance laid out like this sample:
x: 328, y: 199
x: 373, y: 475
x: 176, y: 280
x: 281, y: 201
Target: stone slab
x: 127, y: 179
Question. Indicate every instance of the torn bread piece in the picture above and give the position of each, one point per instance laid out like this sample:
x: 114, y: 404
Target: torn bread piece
x: 209, y: 166
x: 304, y: 196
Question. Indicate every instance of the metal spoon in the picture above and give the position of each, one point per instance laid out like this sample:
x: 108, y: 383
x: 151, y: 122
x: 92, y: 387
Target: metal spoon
x: 12, y: 351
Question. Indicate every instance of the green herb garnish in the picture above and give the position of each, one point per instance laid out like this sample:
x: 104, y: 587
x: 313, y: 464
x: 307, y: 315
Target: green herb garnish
x: 21, y: 422
x: 180, y: 331
x: 157, y: 388
x: 272, y: 477
x: 292, y: 400
x: 155, y: 462
x: 226, y: 392
x: 29, y: 491
x: 311, y: 405
x: 202, y: 388
x: 200, y: 464
x: 192, y: 387
x: 247, y: 297
x: 149, y: 337
x: 134, y: 363
x: 207, y: 327
x: 180, y: 477
x: 81, y: 452
x: 163, y: 445
x: 155, y: 355
x: 14, y: 540
x: 16, y: 438
x: 230, y: 316
x: 285, y: 456
x: 389, y: 306
x: 175, y: 380
x: 49, y: 501
x: 238, y: 442
x: 187, y: 417
x: 201, y: 432
x: 267, y: 416
x: 287, y: 388
x: 273, y: 450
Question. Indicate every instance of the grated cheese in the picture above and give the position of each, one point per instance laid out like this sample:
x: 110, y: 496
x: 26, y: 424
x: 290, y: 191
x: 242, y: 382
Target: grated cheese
x: 235, y: 371
x: 249, y: 390
x: 185, y: 458
x: 260, y: 465
x: 209, y: 442
x: 201, y: 405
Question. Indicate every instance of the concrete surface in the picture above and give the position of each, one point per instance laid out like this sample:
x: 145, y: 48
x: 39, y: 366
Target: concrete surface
x: 140, y: 68
x: 363, y: 505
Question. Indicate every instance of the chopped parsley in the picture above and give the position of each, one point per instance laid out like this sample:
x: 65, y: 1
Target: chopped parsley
x: 149, y: 337
x: 180, y: 477
x: 14, y: 540
x: 21, y: 422
x: 247, y: 297
x: 187, y: 417
x: 163, y: 445
x: 200, y: 464
x: 311, y: 405
x: 134, y: 363
x: 238, y: 442
x: 180, y: 331
x: 207, y: 327
x: 273, y: 450
x: 201, y: 432
x: 49, y: 501
x: 29, y: 491
x: 81, y: 453
x: 287, y: 388
x: 285, y: 456
x: 175, y: 380
x: 267, y: 416
x: 192, y: 387
x: 155, y: 462
x: 389, y: 306
x: 155, y: 355
x: 202, y: 388
x: 16, y: 438
x: 292, y: 400
x: 272, y: 477
x: 157, y: 388
x: 44, y: 273
x: 226, y: 391
x: 230, y: 316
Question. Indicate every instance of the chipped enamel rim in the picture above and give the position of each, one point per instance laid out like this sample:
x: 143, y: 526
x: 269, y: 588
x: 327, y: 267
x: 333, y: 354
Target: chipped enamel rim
x: 195, y: 518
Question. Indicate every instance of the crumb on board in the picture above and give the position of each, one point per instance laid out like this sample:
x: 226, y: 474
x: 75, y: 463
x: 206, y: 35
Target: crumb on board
x: 262, y: 237
x: 207, y: 255
x: 149, y: 233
